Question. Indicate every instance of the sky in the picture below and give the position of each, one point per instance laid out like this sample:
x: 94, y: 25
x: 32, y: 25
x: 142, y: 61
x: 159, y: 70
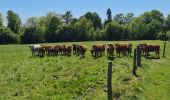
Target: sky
x: 36, y: 8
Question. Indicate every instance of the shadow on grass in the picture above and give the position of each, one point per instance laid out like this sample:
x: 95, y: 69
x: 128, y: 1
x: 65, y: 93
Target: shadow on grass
x: 111, y: 58
x: 151, y: 57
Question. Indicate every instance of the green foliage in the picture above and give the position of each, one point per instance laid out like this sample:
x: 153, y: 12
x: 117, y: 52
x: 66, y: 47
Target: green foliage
x: 14, y: 21
x: 73, y: 21
x: 122, y: 19
x: 153, y: 29
x: 137, y: 29
x: 7, y: 36
x: 164, y: 35
x: 147, y: 26
x: 52, y: 27
x: 32, y: 21
x: 66, y: 33
x: 83, y: 27
x: 33, y: 35
x: 119, y: 18
x: 99, y: 35
x: 114, y: 31
x: 167, y: 22
x: 157, y: 15
x: 57, y: 28
x: 67, y: 17
x: 109, y: 15
x: 95, y: 18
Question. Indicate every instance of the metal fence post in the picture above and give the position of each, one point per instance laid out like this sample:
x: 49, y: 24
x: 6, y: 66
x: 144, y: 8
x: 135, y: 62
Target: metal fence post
x: 134, y: 64
x: 164, y: 49
x: 109, y: 81
x: 138, y: 56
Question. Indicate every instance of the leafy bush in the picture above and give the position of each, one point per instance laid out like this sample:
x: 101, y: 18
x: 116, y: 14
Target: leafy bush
x: 33, y: 35
x: 7, y: 36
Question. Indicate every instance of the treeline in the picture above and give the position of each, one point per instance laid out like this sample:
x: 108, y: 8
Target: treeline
x: 53, y: 27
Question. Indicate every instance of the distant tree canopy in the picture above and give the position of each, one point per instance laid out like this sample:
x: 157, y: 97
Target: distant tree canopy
x: 32, y: 34
x: 14, y: 21
x: 83, y: 27
x: 54, y: 27
x: 67, y: 17
x: 109, y: 17
x: 7, y: 36
x: 95, y: 18
x: 32, y: 21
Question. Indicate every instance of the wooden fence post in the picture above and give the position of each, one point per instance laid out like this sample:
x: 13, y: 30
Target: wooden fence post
x: 134, y: 64
x: 164, y: 49
x: 109, y: 81
x: 138, y: 56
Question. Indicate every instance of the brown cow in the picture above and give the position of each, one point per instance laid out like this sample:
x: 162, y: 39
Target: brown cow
x: 98, y: 50
x: 94, y: 50
x: 68, y: 50
x: 110, y: 50
x: 41, y: 51
x: 129, y: 49
x: 75, y: 48
x: 124, y: 49
x: 152, y: 48
x: 142, y: 47
x: 82, y: 51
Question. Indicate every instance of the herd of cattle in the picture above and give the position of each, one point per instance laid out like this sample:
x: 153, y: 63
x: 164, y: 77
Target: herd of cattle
x: 97, y: 50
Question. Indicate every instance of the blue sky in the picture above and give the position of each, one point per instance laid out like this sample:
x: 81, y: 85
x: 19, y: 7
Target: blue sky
x: 28, y: 8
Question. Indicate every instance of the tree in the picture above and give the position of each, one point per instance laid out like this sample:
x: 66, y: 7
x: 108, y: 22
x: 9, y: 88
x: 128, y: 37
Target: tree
x: 137, y: 29
x: 1, y: 20
x: 14, y: 21
x: 7, y: 36
x: 114, y: 31
x: 66, y: 33
x: 83, y: 27
x: 32, y: 21
x: 99, y: 35
x: 32, y: 34
x: 147, y: 17
x: 49, y: 17
x: 51, y: 29
x: 129, y: 17
x: 67, y: 17
x: 123, y: 19
x: 95, y: 18
x: 153, y: 29
x: 74, y: 20
x: 167, y: 23
x: 157, y: 15
x: 119, y: 18
x: 109, y: 16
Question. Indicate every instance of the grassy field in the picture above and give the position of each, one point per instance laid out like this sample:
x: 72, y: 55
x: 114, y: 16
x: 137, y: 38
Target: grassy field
x: 68, y: 78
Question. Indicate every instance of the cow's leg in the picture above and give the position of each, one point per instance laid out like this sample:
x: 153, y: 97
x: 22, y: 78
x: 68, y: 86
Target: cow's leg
x: 147, y: 54
x: 158, y: 54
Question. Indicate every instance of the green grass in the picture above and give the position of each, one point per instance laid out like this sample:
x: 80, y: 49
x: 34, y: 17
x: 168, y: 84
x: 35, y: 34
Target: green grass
x: 67, y: 78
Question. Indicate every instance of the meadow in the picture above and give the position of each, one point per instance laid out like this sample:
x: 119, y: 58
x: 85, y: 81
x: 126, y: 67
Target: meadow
x: 25, y: 77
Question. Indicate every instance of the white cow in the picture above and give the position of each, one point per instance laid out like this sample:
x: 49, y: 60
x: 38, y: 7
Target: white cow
x: 34, y: 48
